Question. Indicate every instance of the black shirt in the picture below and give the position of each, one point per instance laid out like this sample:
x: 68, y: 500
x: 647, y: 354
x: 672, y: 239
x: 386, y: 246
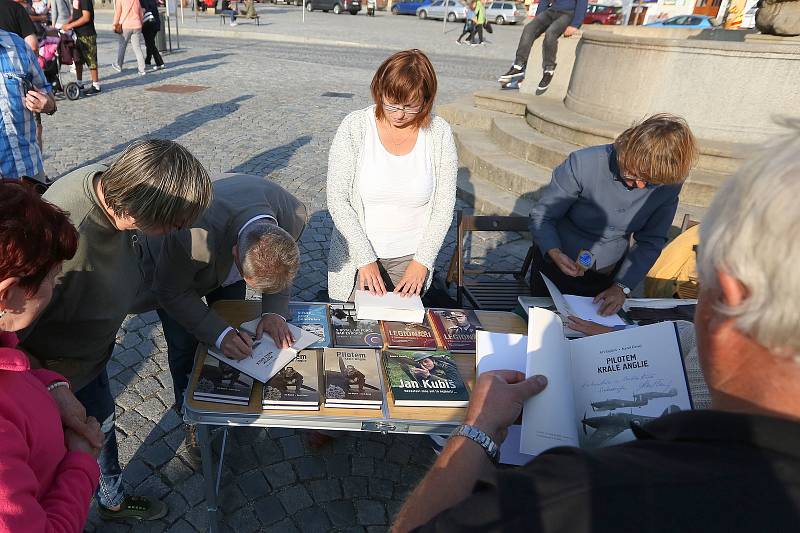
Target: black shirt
x: 15, y: 19
x: 77, y: 12
x: 704, y: 471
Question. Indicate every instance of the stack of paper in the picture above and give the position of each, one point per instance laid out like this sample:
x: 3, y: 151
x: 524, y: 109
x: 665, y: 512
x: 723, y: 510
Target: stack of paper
x: 391, y: 306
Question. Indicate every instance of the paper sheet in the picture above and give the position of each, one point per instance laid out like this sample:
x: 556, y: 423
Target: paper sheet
x: 583, y: 307
x: 391, y: 306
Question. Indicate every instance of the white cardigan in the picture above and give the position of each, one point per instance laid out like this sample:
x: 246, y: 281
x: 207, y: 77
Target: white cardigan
x: 349, y: 247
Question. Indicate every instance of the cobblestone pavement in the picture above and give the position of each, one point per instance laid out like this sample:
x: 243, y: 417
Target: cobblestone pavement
x: 263, y: 111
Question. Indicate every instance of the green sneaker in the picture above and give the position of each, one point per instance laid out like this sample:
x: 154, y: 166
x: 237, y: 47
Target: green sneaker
x: 136, y: 507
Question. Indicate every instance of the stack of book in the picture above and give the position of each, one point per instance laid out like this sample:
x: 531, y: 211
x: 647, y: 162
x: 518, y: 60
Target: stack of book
x: 408, y: 335
x: 352, y: 378
x: 296, y: 386
x: 312, y: 318
x: 455, y: 329
x: 221, y: 383
x: 424, y: 379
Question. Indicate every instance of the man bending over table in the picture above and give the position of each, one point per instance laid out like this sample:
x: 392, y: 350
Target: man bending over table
x: 735, y: 468
x: 248, y: 236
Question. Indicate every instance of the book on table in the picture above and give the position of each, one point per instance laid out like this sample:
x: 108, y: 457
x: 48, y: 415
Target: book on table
x: 582, y: 307
x: 295, y: 386
x: 352, y: 378
x: 389, y: 306
x: 455, y: 328
x: 221, y: 383
x: 349, y: 332
x: 424, y: 379
x: 409, y: 335
x: 267, y: 359
x: 312, y: 318
x: 599, y: 386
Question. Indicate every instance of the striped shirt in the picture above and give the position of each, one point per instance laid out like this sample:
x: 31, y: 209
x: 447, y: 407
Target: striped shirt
x: 19, y: 152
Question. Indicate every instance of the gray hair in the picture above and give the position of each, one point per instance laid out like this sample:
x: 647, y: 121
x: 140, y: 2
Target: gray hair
x: 270, y: 257
x: 159, y: 183
x: 750, y: 232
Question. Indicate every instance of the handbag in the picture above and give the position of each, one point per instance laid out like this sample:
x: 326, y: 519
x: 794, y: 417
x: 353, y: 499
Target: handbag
x: 117, y: 28
x: 148, y: 17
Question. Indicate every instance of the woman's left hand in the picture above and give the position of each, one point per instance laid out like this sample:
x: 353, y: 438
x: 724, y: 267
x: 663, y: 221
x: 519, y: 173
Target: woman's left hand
x: 413, y: 279
x: 610, y: 300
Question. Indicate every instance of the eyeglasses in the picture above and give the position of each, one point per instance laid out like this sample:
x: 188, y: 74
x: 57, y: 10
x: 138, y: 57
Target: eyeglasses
x: 407, y: 110
x: 636, y: 180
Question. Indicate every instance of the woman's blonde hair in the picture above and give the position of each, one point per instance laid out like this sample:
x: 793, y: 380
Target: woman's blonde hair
x: 406, y: 76
x: 158, y: 183
x: 660, y: 150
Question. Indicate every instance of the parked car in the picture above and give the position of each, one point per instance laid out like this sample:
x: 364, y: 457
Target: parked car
x: 337, y: 6
x: 287, y: 2
x: 436, y: 10
x: 686, y: 21
x: 506, y: 12
x: 602, y: 14
x: 408, y: 8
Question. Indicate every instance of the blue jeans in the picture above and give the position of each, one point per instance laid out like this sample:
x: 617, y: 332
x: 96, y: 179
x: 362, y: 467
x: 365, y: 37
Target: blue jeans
x: 97, y: 399
x: 229, y: 12
x: 182, y: 345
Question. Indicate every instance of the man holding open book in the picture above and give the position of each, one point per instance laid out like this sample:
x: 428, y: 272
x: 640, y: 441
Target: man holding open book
x: 733, y: 468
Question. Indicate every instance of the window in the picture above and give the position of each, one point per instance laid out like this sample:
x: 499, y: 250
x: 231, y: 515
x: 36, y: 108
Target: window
x: 508, y: 6
x: 693, y: 21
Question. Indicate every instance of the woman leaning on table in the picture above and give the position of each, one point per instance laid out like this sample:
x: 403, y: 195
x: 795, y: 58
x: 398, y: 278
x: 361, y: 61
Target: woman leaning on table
x: 391, y: 184
x: 47, y: 473
x: 602, y: 196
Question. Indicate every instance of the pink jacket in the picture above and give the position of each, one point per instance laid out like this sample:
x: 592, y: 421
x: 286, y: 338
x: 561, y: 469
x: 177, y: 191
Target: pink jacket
x: 43, y: 487
x: 129, y: 13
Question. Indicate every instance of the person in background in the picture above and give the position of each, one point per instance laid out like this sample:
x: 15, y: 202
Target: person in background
x: 154, y: 186
x: 26, y: 93
x: 151, y: 25
x: 128, y: 14
x: 48, y: 473
x: 469, y: 24
x: 60, y: 12
x: 480, y: 22
x: 602, y: 196
x: 554, y: 18
x: 82, y: 23
x: 227, y: 9
x: 14, y: 18
x: 247, y: 237
x: 391, y: 184
x: 734, y: 468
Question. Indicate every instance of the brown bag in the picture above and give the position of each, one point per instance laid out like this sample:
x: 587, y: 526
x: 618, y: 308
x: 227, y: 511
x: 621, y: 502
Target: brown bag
x: 117, y: 28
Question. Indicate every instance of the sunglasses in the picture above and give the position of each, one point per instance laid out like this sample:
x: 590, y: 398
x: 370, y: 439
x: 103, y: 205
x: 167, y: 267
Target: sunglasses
x: 407, y: 110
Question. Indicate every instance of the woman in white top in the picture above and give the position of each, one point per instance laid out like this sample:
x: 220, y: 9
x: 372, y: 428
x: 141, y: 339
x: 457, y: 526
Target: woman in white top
x: 391, y: 184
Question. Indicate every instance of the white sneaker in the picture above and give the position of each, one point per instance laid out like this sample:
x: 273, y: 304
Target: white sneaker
x: 116, y: 67
x: 161, y: 67
x: 234, y: 23
x: 143, y: 73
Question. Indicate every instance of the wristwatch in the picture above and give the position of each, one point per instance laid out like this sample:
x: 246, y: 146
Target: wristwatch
x: 625, y: 290
x: 481, y: 438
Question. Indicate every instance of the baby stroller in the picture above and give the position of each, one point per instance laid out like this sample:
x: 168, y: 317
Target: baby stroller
x: 56, y: 49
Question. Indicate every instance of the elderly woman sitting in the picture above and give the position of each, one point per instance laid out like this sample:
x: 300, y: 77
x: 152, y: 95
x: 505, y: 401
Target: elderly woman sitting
x: 601, y: 196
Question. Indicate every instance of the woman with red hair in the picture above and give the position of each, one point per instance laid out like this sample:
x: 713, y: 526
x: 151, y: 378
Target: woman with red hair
x: 391, y: 184
x: 47, y: 473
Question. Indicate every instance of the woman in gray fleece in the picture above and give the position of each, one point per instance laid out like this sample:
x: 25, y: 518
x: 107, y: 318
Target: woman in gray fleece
x: 391, y: 184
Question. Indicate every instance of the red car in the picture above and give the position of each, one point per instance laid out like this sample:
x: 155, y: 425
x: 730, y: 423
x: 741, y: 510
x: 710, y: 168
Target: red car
x: 600, y: 14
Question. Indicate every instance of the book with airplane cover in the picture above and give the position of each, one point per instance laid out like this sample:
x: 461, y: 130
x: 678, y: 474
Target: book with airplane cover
x: 598, y: 387
x: 296, y: 386
x: 221, y: 383
x: 352, y: 378
x: 312, y: 318
x: 409, y: 335
x: 424, y: 378
x: 455, y: 328
x: 349, y: 332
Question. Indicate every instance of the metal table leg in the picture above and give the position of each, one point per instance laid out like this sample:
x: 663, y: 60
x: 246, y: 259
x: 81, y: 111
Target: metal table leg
x: 208, y: 477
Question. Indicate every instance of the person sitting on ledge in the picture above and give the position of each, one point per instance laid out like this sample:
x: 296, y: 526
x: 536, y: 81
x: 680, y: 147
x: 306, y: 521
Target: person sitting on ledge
x: 601, y: 196
x: 733, y: 468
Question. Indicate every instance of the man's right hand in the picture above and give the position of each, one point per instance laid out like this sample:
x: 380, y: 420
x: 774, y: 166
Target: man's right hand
x: 79, y: 443
x: 497, y: 400
x: 564, y: 263
x: 236, y: 345
x: 369, y: 278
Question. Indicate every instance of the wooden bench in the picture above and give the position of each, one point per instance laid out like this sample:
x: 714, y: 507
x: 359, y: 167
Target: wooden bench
x: 224, y: 16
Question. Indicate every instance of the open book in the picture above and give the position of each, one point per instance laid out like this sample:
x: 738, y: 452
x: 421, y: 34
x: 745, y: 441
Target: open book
x: 579, y: 306
x: 267, y: 359
x: 598, y: 387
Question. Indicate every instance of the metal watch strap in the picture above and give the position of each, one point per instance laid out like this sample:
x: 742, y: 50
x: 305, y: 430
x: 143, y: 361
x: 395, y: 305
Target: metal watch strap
x: 625, y: 290
x: 479, y: 437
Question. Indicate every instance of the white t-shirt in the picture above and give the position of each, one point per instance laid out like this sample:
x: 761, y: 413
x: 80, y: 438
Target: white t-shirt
x: 395, y: 191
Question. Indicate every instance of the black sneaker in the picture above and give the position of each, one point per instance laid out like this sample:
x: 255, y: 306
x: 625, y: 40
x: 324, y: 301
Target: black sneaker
x: 137, y: 508
x: 547, y: 77
x: 91, y: 90
x: 513, y: 73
